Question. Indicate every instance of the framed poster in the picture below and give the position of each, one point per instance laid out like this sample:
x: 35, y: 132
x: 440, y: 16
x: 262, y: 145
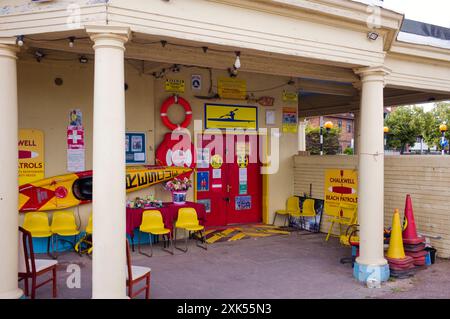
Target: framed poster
x: 223, y: 116
x: 202, y: 181
x: 135, y: 148
x: 290, y: 120
x: 206, y: 203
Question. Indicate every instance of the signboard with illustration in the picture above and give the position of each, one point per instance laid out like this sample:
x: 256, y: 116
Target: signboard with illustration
x: 223, y: 116
x: 135, y: 148
x: 31, y: 156
x: 174, y: 86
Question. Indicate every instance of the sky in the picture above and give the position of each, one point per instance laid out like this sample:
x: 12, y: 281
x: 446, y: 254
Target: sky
x: 430, y: 11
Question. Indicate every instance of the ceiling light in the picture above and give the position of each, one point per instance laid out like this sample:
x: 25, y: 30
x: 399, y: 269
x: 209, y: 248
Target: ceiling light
x: 83, y: 59
x: 71, y: 42
x: 38, y: 55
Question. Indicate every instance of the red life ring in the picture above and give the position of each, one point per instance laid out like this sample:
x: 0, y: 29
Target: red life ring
x: 187, y: 108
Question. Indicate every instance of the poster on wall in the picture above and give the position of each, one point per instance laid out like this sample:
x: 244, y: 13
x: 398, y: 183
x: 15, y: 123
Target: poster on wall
x: 289, y: 120
x: 243, y: 202
x: 76, y: 160
x: 231, y: 88
x: 135, y: 148
x: 206, y: 203
x: 202, y: 181
x: 31, y: 155
x: 174, y: 86
x: 203, y: 155
x: 75, y: 137
x: 223, y: 116
x: 76, y: 117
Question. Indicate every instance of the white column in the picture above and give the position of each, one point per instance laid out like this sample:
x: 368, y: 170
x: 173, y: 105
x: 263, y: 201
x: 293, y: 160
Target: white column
x: 9, y: 219
x: 109, y: 197
x: 302, y: 136
x: 371, y: 176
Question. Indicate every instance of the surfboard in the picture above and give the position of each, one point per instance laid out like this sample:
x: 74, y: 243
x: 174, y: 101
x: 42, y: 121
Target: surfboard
x: 69, y: 190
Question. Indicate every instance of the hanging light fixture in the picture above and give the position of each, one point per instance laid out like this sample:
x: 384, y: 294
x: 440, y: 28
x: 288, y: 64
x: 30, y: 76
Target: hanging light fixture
x: 19, y: 40
x: 237, y: 62
x: 71, y: 42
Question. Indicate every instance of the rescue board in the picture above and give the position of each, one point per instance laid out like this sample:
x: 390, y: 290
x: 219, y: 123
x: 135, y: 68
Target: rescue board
x: 69, y: 190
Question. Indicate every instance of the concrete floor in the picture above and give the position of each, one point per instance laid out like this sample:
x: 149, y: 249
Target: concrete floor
x: 301, y: 265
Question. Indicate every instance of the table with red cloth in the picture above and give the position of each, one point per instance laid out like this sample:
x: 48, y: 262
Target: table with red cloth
x: 169, y: 212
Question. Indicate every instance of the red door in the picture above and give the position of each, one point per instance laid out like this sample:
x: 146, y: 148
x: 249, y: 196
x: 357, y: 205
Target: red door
x: 228, y: 178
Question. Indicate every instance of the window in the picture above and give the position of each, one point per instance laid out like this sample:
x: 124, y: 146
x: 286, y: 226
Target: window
x: 340, y: 123
x: 349, y: 127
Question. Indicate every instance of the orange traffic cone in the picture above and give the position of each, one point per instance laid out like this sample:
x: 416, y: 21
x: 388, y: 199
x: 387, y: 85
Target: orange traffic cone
x: 396, y: 253
x: 410, y: 236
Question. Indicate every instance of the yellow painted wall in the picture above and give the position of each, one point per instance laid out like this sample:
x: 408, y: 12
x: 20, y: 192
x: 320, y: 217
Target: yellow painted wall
x: 45, y: 106
x: 425, y: 178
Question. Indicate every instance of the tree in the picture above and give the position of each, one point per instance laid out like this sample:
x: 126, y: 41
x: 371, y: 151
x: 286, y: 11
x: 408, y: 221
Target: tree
x: 330, y: 141
x: 432, y: 120
x: 405, y: 125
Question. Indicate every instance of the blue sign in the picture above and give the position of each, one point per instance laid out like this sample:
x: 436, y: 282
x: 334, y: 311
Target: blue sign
x: 444, y: 143
x: 202, y: 181
x: 243, y: 202
x: 135, y: 148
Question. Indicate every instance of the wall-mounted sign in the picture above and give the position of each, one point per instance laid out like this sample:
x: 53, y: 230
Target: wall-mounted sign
x: 290, y: 96
x: 174, y: 86
x: 290, y: 120
x: 76, y: 160
x: 196, y: 82
x: 270, y: 117
x: 231, y: 88
x: 243, y: 202
x: 223, y: 116
x: 75, y: 137
x: 341, y: 186
x: 31, y: 156
x: 203, y: 155
x: 202, y: 181
x: 76, y: 117
x: 216, y: 161
x: 206, y: 203
x: 135, y: 148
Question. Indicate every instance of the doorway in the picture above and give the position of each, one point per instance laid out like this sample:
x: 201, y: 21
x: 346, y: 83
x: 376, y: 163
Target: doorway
x: 228, y: 178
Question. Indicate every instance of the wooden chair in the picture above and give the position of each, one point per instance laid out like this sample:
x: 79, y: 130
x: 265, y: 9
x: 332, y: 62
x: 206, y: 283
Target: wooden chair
x: 31, y: 268
x: 136, y: 274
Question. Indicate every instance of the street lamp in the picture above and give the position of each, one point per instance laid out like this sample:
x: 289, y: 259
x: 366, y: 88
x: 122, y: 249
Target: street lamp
x: 386, y: 131
x: 443, y: 128
x: 328, y: 126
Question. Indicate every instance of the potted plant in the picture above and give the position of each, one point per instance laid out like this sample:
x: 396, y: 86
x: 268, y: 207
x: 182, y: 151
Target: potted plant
x: 179, y: 188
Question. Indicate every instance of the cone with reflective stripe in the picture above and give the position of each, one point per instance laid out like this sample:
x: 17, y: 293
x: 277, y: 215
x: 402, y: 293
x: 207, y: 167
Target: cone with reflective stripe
x: 410, y: 236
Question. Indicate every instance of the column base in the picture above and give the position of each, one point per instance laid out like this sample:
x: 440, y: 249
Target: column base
x: 363, y: 272
x: 15, y: 294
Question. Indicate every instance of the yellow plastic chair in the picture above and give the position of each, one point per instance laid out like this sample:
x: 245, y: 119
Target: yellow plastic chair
x: 87, y: 239
x: 187, y: 220
x: 307, y: 210
x: 64, y: 225
x: 346, y: 215
x: 152, y: 224
x: 37, y: 224
x: 292, y: 209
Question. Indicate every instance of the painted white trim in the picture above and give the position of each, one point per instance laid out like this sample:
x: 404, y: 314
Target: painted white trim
x: 423, y: 40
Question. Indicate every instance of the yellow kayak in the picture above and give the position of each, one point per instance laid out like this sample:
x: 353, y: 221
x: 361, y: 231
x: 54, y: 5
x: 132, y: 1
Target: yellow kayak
x: 74, y: 189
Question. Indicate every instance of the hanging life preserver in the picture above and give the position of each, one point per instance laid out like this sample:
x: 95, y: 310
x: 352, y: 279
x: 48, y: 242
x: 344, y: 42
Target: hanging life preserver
x: 187, y: 108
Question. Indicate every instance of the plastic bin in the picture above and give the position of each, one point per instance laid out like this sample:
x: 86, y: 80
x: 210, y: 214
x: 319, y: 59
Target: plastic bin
x: 432, y: 252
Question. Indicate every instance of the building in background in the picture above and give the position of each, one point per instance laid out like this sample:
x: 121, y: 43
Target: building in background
x: 346, y: 124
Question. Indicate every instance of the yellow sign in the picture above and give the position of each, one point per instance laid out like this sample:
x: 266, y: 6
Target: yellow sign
x: 216, y: 161
x: 230, y: 88
x: 290, y: 120
x: 231, y: 116
x: 290, y: 96
x: 175, y: 86
x: 31, y: 156
x: 341, y: 186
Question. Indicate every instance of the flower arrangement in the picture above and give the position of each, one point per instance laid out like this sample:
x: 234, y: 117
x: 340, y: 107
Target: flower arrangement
x: 176, y: 185
x: 145, y: 202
